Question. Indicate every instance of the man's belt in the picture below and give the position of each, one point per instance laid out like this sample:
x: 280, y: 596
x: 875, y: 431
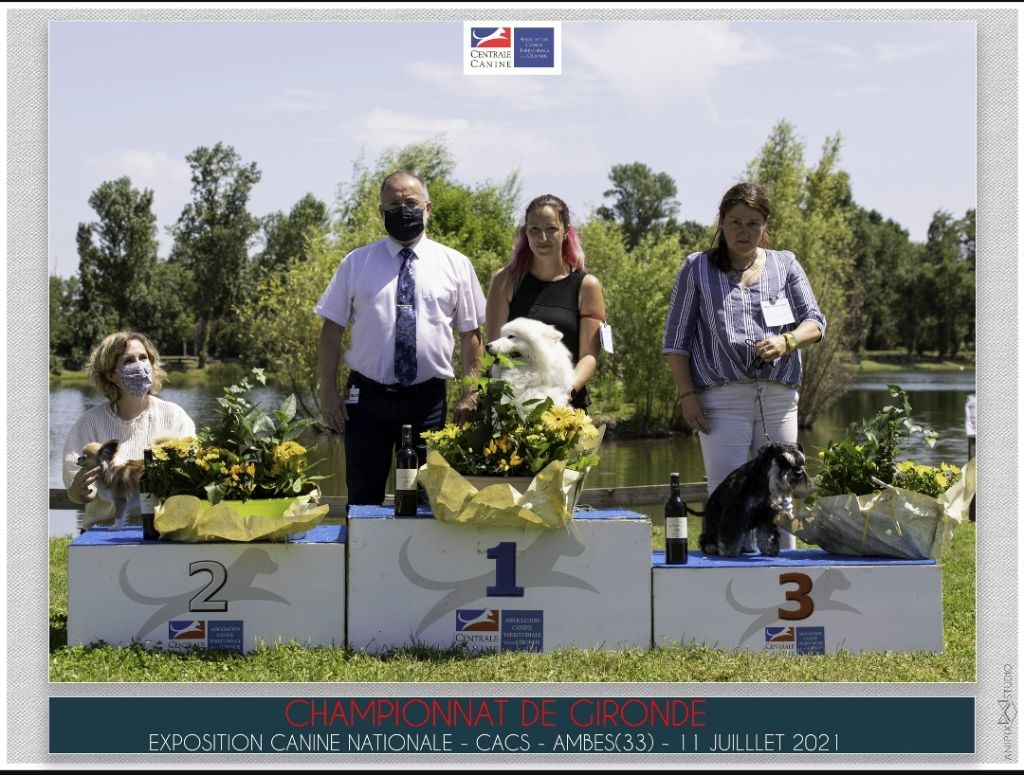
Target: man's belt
x: 432, y: 386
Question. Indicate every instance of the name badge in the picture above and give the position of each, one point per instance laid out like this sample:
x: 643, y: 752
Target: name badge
x: 777, y: 312
x: 353, y: 395
x: 606, y: 338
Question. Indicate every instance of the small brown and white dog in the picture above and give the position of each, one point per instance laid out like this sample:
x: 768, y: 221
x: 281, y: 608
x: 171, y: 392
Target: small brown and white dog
x: 118, y: 482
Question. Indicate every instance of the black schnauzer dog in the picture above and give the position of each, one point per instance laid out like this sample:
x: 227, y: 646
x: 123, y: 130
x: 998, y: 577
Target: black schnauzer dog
x: 740, y: 513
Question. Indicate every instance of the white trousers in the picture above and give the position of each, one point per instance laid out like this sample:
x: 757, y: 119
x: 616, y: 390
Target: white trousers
x: 737, y: 431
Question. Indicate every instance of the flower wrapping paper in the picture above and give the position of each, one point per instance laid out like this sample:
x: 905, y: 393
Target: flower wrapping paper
x: 186, y: 518
x: 547, y: 502
x: 892, y: 522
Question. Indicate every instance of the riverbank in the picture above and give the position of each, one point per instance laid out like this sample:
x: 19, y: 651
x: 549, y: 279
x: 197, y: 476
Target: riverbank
x: 215, y: 374
x: 218, y: 373
x: 618, y: 417
x: 898, y: 360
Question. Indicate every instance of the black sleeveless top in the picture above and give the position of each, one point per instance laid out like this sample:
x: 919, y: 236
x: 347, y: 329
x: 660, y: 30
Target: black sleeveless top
x: 558, y: 304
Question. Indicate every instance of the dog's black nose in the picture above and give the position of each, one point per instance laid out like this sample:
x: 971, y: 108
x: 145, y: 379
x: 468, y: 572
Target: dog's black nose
x: 489, y: 349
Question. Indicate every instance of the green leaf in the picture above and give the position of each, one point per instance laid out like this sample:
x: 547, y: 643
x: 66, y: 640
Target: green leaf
x: 292, y: 433
x: 214, y: 493
x: 263, y: 426
x: 287, y: 409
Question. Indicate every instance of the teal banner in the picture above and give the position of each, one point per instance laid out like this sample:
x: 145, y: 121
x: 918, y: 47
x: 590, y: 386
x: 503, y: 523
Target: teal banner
x: 619, y: 725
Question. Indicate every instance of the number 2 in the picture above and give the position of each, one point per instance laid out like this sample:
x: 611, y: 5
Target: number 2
x: 504, y: 556
x: 203, y: 601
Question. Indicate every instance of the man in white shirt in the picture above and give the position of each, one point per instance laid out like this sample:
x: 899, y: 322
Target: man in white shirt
x: 402, y: 296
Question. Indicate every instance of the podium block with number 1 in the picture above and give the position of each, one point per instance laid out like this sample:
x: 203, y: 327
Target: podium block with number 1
x: 420, y: 581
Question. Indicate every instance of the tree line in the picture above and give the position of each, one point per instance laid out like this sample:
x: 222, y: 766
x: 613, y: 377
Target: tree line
x: 239, y: 286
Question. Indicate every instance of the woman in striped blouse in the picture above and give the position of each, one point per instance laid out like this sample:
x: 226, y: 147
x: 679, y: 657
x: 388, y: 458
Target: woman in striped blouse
x: 738, y: 316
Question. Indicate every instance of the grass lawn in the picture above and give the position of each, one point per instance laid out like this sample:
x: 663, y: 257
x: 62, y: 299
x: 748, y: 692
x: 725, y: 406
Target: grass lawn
x: 897, y: 360
x: 869, y: 366
x: 294, y: 663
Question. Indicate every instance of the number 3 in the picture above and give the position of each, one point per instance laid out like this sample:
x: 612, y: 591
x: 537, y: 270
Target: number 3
x: 800, y: 595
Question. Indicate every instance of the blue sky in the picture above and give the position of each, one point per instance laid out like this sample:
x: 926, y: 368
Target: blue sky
x: 694, y: 99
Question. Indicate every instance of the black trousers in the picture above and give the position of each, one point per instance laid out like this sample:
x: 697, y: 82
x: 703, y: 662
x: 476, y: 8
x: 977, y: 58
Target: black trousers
x: 373, y: 432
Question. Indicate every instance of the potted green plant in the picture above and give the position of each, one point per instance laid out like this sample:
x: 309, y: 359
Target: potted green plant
x: 249, y: 464
x: 512, y: 462
x: 868, y: 502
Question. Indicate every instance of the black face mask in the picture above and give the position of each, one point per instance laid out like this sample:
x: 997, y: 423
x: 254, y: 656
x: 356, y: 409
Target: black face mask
x: 404, y: 224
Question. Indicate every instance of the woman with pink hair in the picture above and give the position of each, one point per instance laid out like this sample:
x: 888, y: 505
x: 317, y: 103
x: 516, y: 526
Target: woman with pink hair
x: 546, y: 281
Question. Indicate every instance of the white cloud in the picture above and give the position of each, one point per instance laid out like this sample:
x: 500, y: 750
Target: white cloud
x: 859, y: 91
x: 519, y: 93
x: 169, y: 177
x: 891, y: 52
x: 297, y: 101
x: 381, y: 128
x: 488, y: 148
x: 650, y: 62
x: 147, y: 169
x: 836, y: 49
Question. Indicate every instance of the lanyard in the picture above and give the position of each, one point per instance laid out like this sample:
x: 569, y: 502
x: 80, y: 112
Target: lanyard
x: 758, y: 365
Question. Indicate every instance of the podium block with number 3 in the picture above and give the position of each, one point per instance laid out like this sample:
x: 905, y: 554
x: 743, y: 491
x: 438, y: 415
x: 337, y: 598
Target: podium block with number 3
x: 802, y: 602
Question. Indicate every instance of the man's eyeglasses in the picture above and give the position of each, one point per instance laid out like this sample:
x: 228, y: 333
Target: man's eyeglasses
x: 394, y: 207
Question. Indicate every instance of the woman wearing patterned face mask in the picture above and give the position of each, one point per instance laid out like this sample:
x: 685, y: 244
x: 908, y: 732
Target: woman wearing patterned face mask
x: 126, y: 368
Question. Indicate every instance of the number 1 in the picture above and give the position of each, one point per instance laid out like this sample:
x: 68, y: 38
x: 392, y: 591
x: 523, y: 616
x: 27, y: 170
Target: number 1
x: 504, y: 556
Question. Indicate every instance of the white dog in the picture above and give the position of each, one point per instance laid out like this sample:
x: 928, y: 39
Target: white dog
x: 547, y: 364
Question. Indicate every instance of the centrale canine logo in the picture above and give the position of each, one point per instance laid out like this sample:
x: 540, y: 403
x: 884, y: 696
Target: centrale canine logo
x: 491, y: 37
x: 779, y: 635
x: 186, y: 630
x: 476, y: 620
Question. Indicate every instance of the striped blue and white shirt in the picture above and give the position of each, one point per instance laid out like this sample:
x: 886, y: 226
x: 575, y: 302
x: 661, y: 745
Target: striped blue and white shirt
x: 711, y: 317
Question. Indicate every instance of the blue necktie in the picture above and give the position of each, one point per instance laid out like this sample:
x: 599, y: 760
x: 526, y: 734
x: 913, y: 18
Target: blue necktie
x: 405, y: 320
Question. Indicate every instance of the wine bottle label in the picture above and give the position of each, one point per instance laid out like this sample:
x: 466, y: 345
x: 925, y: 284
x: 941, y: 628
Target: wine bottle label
x: 675, y: 527
x: 405, y: 478
x: 147, y: 503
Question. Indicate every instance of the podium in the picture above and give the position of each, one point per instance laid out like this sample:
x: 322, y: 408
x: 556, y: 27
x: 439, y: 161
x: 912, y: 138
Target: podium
x: 384, y: 583
x: 801, y: 602
x: 419, y: 581
x: 236, y: 596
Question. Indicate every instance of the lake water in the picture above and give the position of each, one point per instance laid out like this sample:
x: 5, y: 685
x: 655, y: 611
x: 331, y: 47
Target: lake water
x: 937, y: 401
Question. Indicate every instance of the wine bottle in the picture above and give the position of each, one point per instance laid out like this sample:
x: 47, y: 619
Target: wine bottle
x: 675, y: 526
x: 147, y: 502
x: 406, y: 468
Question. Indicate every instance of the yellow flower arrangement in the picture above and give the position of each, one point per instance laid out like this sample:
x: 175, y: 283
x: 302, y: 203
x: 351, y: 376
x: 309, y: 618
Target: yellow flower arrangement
x: 507, y: 438
x: 249, y: 453
x: 550, y: 447
x: 864, y: 459
x: 868, y: 502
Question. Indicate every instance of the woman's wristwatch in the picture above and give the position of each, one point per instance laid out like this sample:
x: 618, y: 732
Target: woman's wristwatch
x: 791, y: 342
